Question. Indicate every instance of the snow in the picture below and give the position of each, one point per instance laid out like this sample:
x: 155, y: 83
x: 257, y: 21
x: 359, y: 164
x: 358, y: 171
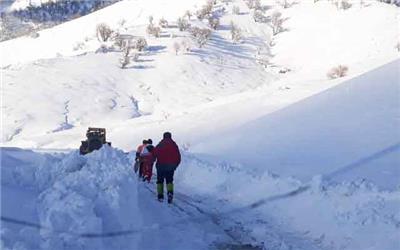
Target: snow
x: 355, y: 123
x: 76, y: 199
x: 270, y: 160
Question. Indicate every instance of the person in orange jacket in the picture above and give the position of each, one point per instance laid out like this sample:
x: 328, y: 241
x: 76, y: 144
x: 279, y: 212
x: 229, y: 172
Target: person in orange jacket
x: 138, y: 162
x: 148, y: 159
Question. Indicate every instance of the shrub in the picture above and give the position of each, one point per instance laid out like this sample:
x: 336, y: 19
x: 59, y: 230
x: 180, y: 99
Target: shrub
x: 140, y: 44
x: 337, y: 72
x: 263, y: 57
x: 236, y: 10
x: 342, y: 4
x: 163, y: 23
x: 153, y: 30
x: 236, y: 33
x: 285, y: 4
x: 213, y: 22
x: 201, y: 36
x: 119, y: 42
x: 254, y: 4
x: 183, y: 24
x: 259, y: 17
x: 205, y: 10
x: 103, y: 32
x: 276, y: 22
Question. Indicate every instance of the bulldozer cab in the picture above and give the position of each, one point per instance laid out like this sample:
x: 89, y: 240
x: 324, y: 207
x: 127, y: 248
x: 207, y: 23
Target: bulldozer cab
x: 96, y: 137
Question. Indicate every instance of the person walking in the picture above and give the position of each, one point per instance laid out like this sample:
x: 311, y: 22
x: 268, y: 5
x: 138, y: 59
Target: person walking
x: 138, y: 161
x: 147, y: 158
x: 168, y: 159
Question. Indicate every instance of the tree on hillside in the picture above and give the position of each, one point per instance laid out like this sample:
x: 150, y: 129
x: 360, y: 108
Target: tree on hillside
x: 236, y: 33
x: 276, y: 22
x: 338, y: 72
x: 201, y: 36
x: 103, y: 32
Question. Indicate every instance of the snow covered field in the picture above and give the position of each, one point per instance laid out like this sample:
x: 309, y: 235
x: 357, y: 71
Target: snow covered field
x: 276, y: 157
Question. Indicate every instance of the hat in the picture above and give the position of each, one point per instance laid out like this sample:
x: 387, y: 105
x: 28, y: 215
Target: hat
x: 167, y: 135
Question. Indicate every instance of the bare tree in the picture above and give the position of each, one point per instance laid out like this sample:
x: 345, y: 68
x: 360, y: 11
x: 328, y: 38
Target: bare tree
x: 263, y: 57
x: 140, y: 44
x: 125, y: 59
x: 205, y: 10
x: 254, y: 4
x: 337, y: 72
x: 201, y: 36
x: 276, y: 23
x: 183, y: 24
x: 259, y: 17
x: 286, y: 4
x: 236, y: 33
x: 342, y: 4
x: 153, y: 30
x: 120, y: 42
x: 103, y: 32
x: 163, y: 23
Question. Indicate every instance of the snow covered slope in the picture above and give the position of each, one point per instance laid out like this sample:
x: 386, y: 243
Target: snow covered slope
x: 165, y: 91
x: 247, y: 128
x: 90, y: 202
x: 351, y: 130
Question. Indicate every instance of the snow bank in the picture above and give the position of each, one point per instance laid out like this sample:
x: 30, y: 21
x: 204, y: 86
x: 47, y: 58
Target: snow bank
x: 349, y: 131
x: 349, y: 215
x: 77, y: 195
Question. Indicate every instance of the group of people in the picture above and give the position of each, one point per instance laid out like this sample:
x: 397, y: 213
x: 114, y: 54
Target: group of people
x: 167, y: 157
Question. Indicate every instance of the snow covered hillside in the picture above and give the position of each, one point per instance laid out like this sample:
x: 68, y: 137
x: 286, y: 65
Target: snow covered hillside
x: 278, y: 152
x: 351, y: 130
x: 160, y: 85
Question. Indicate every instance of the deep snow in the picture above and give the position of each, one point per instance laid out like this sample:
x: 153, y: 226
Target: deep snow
x: 280, y: 161
x: 90, y: 202
x: 348, y: 131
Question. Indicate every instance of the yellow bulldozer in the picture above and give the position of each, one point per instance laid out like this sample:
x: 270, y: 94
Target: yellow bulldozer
x: 96, y: 137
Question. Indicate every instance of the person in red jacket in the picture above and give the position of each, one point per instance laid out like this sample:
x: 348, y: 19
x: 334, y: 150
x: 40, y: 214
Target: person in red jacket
x: 168, y: 158
x: 138, y: 162
x: 147, y: 159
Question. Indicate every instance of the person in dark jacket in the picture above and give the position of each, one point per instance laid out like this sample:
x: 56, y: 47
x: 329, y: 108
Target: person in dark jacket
x: 168, y: 159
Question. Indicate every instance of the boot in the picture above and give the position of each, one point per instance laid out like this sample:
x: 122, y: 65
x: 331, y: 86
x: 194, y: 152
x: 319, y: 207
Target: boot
x: 170, y: 192
x: 160, y: 192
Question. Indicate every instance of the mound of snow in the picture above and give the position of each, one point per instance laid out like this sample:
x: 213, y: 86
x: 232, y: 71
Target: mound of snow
x: 76, y: 195
x: 349, y: 215
x: 69, y: 201
x: 351, y: 130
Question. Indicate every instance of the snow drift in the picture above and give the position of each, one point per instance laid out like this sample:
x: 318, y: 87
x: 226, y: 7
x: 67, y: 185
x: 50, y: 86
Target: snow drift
x: 344, y: 126
x: 69, y: 201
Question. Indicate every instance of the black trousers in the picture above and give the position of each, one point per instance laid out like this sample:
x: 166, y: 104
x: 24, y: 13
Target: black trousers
x: 166, y: 174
